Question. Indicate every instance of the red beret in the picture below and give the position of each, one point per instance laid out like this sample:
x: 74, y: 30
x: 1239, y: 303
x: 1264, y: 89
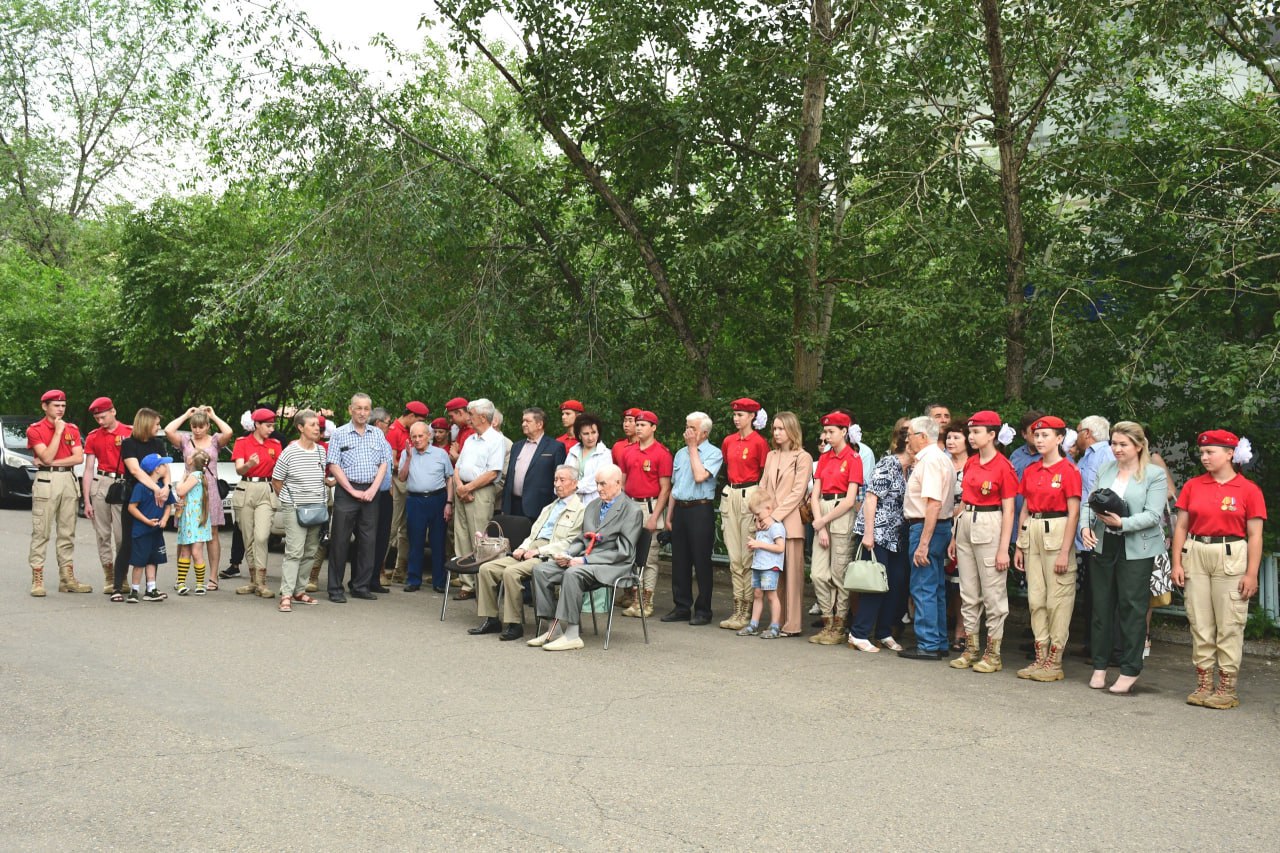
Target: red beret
x: 455, y: 403
x: 54, y: 396
x: 837, y: 419
x: 1217, y: 438
x: 100, y: 405
x: 744, y: 404
x: 572, y: 406
x: 263, y: 416
x: 633, y: 412
x: 417, y: 408
x: 986, y: 418
x: 648, y: 416
x: 1048, y: 422
x: 320, y: 420
x: 439, y: 423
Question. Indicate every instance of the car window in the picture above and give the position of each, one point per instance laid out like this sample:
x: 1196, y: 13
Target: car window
x: 15, y: 435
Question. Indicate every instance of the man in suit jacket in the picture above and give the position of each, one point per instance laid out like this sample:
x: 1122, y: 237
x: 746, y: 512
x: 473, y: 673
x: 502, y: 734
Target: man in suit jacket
x: 531, y: 468
x: 602, y: 553
x: 552, y: 532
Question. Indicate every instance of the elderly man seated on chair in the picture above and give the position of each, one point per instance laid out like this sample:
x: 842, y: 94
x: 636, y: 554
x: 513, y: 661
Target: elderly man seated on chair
x: 602, y: 553
x: 556, y: 527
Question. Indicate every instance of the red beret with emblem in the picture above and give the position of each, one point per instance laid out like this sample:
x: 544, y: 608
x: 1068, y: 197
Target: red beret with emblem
x: 837, y: 419
x: 263, y: 416
x: 1048, y: 422
x: 648, y: 416
x: 53, y: 396
x: 744, y: 404
x: 102, y: 404
x: 633, y: 412
x: 572, y: 406
x: 986, y: 418
x: 1217, y: 438
x: 417, y: 407
x: 455, y: 403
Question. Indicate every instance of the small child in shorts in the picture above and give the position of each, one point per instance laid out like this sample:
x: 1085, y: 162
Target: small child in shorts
x: 149, y: 520
x: 766, y: 549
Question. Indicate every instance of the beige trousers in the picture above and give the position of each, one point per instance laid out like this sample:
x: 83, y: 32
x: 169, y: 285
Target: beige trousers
x: 1216, y: 610
x: 106, y: 520
x: 1050, y: 596
x: 510, y: 573
x: 739, y: 526
x: 399, y: 529
x: 53, y: 508
x: 254, y: 504
x: 468, y: 519
x: 982, y: 586
x: 827, y: 568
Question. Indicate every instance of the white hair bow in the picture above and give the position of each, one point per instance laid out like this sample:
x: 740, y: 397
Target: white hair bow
x: 1244, y: 452
x: 246, y: 421
x: 761, y: 418
x: 855, y: 434
x: 1069, y: 440
x: 1006, y: 435
x: 328, y: 427
x: 453, y: 432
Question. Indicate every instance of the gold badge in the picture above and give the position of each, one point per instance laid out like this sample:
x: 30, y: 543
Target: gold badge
x: 646, y: 468
x: 745, y: 451
x: 986, y: 487
x: 1228, y: 504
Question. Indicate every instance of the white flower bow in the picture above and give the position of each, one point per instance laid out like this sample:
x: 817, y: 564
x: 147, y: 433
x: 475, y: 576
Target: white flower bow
x: 1244, y: 452
x: 246, y: 421
x: 855, y: 434
x: 761, y: 418
x: 328, y: 427
x: 1006, y: 435
x: 1069, y: 440
x: 453, y: 432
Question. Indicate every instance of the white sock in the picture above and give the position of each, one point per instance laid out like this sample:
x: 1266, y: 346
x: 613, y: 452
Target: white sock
x: 570, y: 631
x: 135, y: 587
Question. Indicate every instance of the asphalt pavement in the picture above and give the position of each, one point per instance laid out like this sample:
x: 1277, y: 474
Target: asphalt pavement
x: 217, y: 723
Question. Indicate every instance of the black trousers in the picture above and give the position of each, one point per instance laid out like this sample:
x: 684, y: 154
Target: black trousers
x: 693, y: 535
x: 124, y: 553
x: 350, y: 515
x: 237, y: 545
x: 383, y: 539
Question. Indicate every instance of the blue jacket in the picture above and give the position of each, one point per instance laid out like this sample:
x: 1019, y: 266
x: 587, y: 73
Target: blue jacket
x: 539, y: 479
x: 1143, y: 535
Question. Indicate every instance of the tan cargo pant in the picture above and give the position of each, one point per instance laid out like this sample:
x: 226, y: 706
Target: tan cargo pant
x: 739, y: 526
x: 1050, y: 596
x: 510, y: 573
x: 1216, y: 610
x: 828, y: 565
x: 106, y: 520
x: 982, y: 586
x: 254, y: 504
x: 650, y: 574
x: 53, y: 507
x: 468, y: 519
x: 399, y: 529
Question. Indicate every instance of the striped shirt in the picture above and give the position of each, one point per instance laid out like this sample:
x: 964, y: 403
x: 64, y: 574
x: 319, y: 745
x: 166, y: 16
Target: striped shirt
x: 301, y: 473
x: 359, y: 455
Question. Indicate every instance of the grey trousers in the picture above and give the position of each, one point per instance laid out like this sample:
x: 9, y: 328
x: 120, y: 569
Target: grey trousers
x: 573, y: 582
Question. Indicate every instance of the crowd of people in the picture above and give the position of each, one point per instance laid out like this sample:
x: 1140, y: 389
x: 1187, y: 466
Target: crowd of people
x: 942, y: 516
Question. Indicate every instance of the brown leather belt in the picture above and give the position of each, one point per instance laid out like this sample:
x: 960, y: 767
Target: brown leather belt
x: 703, y: 502
x: 1217, y: 540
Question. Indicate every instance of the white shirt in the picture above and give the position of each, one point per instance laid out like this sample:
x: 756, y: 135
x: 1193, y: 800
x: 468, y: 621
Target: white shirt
x: 482, y: 452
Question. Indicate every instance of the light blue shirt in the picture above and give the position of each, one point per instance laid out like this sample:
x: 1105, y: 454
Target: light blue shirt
x: 557, y: 510
x: 1021, y: 459
x: 360, y: 455
x: 1098, y: 454
x: 683, y: 486
x: 428, y: 471
x: 604, y: 507
x: 769, y: 561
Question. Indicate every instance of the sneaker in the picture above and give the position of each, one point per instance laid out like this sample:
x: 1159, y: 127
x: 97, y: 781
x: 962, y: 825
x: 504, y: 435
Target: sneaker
x: 198, y: 591
x: 181, y: 588
x: 815, y: 610
x: 749, y: 631
x: 133, y: 597
x: 154, y: 595
x: 231, y: 571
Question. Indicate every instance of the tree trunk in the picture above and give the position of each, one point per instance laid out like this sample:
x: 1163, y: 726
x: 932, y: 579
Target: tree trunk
x: 1011, y: 159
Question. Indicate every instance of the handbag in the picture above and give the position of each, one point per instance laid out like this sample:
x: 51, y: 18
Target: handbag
x: 312, y: 515
x: 806, y: 508
x: 865, y: 575
x: 490, y: 547
x: 1105, y: 500
x: 117, y: 493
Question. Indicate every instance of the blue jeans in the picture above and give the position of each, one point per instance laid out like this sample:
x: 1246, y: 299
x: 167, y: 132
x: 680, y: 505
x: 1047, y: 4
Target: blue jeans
x: 423, y: 515
x: 878, y: 612
x: 928, y: 586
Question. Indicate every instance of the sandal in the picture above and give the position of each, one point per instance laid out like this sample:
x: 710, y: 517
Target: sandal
x: 862, y: 645
x: 286, y: 605
x: 891, y: 644
x: 212, y: 584
x: 770, y: 633
x: 117, y: 596
x: 303, y: 598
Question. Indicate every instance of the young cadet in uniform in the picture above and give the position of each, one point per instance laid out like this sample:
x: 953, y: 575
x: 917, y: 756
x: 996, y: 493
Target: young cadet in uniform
x: 456, y: 411
x: 836, y: 481
x: 1217, y: 550
x: 57, y: 449
x: 628, y: 440
x: 102, y: 468
x: 744, y: 452
x: 440, y: 434
x: 254, y: 500
x: 647, y: 467
x: 569, y: 411
x: 1046, y: 546
x: 978, y: 543
x: 398, y: 438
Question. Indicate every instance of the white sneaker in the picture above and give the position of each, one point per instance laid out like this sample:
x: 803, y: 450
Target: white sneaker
x: 815, y: 610
x: 539, y: 641
x: 564, y: 644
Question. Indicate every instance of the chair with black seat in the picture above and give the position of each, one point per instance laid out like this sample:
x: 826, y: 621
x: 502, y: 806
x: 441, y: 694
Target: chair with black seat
x: 628, y: 581
x: 515, y: 528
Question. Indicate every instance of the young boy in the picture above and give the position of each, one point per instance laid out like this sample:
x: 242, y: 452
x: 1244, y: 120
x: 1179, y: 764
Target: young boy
x: 766, y: 549
x: 149, y: 520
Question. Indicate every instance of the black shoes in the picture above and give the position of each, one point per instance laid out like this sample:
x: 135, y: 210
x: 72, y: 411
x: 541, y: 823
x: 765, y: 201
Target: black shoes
x: 338, y: 598
x: 700, y: 619
x: 438, y: 589
x: 677, y: 615
x: 512, y: 631
x: 917, y: 653
x: 379, y: 588
x: 413, y: 587
x: 365, y: 596
x: 231, y: 571
x: 490, y: 625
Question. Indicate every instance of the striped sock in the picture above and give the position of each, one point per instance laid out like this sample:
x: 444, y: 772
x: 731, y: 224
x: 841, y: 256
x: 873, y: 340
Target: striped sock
x: 184, y: 565
x: 199, y: 574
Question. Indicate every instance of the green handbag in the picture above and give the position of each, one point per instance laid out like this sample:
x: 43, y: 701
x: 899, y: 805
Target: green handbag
x: 865, y: 575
